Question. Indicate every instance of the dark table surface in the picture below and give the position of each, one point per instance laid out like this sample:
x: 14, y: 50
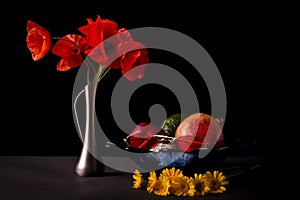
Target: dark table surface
x: 43, y: 178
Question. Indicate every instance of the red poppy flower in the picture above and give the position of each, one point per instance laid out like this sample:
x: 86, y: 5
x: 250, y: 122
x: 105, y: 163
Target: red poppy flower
x: 103, y: 51
x: 96, y: 32
x: 134, y: 59
x: 133, y: 54
x: 38, y: 40
x: 69, y: 48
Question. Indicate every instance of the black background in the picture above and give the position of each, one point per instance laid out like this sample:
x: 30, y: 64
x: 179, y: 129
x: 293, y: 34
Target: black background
x: 37, y: 100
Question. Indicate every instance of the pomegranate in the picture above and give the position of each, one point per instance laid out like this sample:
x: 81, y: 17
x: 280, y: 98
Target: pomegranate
x: 199, y: 130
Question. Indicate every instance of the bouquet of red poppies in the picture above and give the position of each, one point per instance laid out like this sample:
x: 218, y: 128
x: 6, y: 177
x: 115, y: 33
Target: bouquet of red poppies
x: 121, y: 52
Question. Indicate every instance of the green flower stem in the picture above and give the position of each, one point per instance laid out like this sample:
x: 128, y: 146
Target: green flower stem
x: 89, y: 67
x: 104, y: 73
x: 88, y: 74
x: 97, y: 76
x: 226, y: 168
x: 243, y: 171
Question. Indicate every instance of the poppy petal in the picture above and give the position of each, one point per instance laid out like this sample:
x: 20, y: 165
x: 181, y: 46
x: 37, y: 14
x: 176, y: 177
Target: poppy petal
x: 99, y: 30
x: 69, y: 62
x: 69, y: 44
x: 134, y: 59
x: 38, y: 40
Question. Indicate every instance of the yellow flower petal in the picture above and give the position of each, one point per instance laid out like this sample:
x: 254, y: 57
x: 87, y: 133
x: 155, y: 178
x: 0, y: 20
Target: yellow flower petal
x: 161, y: 187
x: 219, y: 174
x: 137, y: 179
x: 225, y: 183
x: 222, y: 188
x: 215, y: 174
x: 222, y: 178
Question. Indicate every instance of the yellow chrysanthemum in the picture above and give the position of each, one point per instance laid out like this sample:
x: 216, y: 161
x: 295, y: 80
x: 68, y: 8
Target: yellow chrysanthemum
x: 216, y: 181
x: 161, y: 186
x: 137, y: 179
x: 201, y: 185
x: 151, y: 181
x: 172, y: 173
x: 182, y: 186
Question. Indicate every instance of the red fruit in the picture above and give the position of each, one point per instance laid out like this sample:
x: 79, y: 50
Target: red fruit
x: 142, y: 136
x: 192, y: 131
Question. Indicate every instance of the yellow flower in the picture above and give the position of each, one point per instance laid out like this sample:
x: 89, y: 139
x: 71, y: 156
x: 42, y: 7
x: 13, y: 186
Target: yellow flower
x: 161, y: 186
x: 182, y: 186
x: 171, y: 173
x: 138, y: 179
x: 201, y: 185
x: 216, y: 181
x: 151, y: 181
x: 172, y: 181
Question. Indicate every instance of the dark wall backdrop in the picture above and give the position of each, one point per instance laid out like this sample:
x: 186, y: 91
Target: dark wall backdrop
x: 37, y: 100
